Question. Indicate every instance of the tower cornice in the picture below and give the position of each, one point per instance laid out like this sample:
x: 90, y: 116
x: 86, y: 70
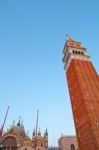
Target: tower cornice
x: 73, y: 50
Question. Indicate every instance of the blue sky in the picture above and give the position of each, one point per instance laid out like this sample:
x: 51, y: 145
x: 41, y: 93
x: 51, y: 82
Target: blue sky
x: 32, y: 37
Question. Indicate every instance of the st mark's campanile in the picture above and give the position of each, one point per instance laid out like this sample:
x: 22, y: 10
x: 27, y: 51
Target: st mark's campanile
x: 83, y: 84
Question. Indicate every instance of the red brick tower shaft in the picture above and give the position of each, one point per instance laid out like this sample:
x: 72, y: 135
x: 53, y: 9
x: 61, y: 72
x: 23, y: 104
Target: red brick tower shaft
x: 83, y: 84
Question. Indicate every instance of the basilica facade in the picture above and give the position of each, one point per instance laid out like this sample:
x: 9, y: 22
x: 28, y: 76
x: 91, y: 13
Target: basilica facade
x: 16, y: 139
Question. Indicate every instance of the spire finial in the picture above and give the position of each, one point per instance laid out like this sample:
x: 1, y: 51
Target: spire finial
x: 18, y: 124
x: 22, y: 122
x: 13, y: 123
x: 34, y: 132
x: 68, y: 37
x: 36, y: 128
x: 39, y: 133
x: 27, y: 132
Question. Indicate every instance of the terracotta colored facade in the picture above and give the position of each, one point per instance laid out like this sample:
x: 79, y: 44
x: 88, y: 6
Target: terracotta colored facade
x: 83, y: 84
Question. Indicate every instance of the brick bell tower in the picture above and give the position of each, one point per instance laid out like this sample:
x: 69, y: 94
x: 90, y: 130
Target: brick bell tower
x: 83, y: 84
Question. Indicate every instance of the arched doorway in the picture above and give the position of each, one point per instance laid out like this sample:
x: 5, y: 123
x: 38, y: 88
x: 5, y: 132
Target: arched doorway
x: 72, y: 147
x: 10, y: 143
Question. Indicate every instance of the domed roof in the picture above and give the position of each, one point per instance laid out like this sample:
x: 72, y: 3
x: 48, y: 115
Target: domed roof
x: 27, y: 141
